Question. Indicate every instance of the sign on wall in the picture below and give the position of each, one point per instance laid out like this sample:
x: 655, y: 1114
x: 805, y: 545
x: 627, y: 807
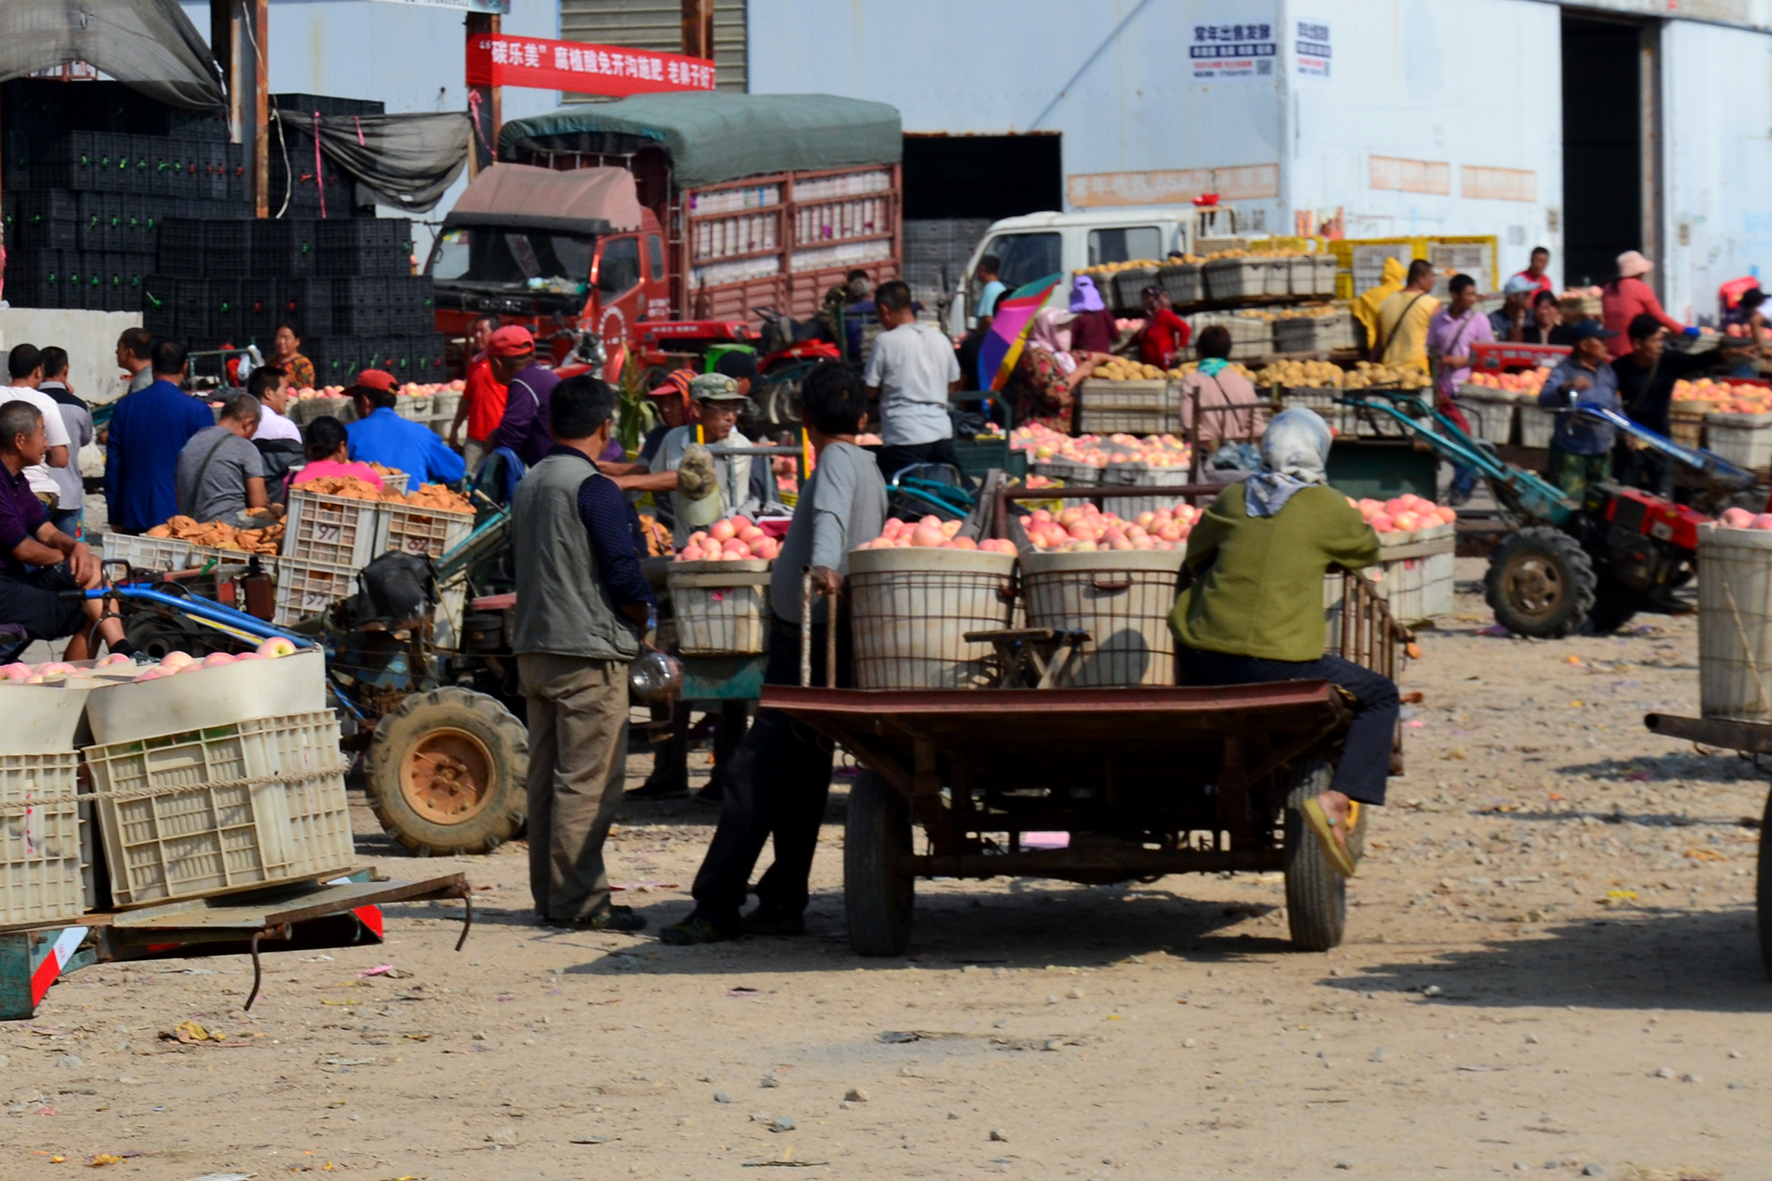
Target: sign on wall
x: 1410, y: 176
x: 1232, y: 49
x: 1498, y: 184
x: 1311, y: 48
x: 1172, y: 186
x: 497, y: 59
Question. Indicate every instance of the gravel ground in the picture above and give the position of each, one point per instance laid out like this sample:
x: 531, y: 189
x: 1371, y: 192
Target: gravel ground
x: 1551, y: 968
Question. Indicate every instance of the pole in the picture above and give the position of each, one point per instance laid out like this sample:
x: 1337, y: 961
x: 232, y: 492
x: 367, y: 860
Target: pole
x: 698, y: 29
x: 485, y: 103
x: 238, y: 37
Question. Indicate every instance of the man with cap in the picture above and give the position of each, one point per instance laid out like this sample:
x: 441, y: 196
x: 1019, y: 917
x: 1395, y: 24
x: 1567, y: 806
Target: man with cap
x: 1627, y: 297
x: 729, y: 488
x: 482, y: 397
x: 528, y: 386
x: 1581, y: 449
x: 1508, y: 322
x: 381, y: 436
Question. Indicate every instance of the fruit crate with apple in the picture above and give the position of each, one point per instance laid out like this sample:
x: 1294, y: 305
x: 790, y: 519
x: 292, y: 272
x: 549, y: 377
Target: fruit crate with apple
x: 910, y: 610
x: 721, y: 607
x: 1122, y: 599
x: 222, y: 808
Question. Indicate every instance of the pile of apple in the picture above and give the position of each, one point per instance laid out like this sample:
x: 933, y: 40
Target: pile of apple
x: 412, y: 389
x: 1042, y: 442
x: 1723, y: 397
x: 734, y: 539
x: 1086, y: 529
x: 932, y: 532
x: 1740, y: 518
x: 171, y: 664
x: 1525, y: 384
x: 1403, y: 514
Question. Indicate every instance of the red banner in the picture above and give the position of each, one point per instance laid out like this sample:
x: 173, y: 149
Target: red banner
x: 496, y: 59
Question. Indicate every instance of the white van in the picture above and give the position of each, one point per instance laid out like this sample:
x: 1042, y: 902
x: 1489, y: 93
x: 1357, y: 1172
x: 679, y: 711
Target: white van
x: 1040, y: 244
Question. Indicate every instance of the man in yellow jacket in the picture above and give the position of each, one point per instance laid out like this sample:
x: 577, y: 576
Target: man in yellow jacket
x: 1403, y: 320
x: 1366, y: 304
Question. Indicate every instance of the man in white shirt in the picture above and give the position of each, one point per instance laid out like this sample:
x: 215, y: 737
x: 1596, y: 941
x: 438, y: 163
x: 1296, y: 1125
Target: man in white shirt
x: 269, y: 385
x: 24, y: 364
x: 912, y: 370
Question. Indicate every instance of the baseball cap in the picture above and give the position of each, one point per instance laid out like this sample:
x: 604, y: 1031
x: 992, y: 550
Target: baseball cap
x: 675, y: 384
x: 715, y: 387
x: 1591, y: 330
x: 511, y: 341
x: 1518, y: 285
x: 376, y: 379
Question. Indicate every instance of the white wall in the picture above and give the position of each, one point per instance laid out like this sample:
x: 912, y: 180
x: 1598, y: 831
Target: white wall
x: 1717, y: 181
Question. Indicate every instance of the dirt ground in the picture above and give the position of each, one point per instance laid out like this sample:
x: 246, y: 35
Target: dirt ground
x: 1551, y: 968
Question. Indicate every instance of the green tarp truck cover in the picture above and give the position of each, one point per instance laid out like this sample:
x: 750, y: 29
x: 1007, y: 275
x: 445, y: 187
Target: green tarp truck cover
x: 714, y: 137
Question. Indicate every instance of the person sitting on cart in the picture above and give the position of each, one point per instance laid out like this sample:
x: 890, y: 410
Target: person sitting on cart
x: 781, y: 775
x: 381, y: 436
x: 1254, y: 611
x: 42, y: 563
x: 1581, y: 448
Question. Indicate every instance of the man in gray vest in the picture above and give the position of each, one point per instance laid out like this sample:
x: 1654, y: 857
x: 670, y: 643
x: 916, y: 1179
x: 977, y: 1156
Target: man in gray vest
x: 582, y: 608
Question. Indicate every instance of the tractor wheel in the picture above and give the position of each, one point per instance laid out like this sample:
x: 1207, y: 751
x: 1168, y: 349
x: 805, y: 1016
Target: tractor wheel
x: 447, y: 771
x: 1316, y: 896
x: 1540, y: 583
x: 879, y: 892
x: 1614, y: 606
x: 781, y: 404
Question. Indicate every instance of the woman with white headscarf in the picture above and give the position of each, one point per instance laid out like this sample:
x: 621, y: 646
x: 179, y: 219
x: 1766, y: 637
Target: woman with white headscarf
x: 1254, y: 611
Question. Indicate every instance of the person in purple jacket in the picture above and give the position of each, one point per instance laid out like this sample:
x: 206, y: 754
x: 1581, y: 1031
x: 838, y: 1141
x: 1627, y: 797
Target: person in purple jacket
x: 524, y: 427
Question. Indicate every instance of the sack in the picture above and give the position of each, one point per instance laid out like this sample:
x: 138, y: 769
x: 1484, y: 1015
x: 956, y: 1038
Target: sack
x: 396, y: 591
x: 1242, y: 457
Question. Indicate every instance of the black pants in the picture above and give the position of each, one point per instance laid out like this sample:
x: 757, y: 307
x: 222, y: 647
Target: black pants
x: 670, y: 763
x: 776, y: 786
x: 898, y: 456
x: 1366, y: 754
x: 35, y: 601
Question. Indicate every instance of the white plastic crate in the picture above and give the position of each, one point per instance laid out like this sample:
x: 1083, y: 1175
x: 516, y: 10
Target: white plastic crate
x: 1537, y: 424
x: 1314, y: 334
x: 343, y: 530
x: 302, y: 411
x: 306, y: 589
x: 1744, y: 439
x: 1491, y: 416
x: 227, y: 807
x: 45, y: 843
x: 415, y: 530
x: 416, y: 407
x: 149, y: 553
x: 721, y: 608
x: 1145, y: 407
x: 1277, y: 276
x: 1140, y: 475
x: 1235, y: 278
x: 444, y: 404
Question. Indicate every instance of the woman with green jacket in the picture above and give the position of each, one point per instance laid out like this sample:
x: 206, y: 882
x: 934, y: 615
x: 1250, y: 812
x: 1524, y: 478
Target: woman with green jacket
x: 1254, y: 611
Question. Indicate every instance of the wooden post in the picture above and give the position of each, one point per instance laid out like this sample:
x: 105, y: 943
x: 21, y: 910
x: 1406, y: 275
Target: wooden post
x: 239, y: 36
x: 485, y: 103
x: 698, y: 29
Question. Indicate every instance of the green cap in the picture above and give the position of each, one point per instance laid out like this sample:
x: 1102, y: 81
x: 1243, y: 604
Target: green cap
x: 715, y: 387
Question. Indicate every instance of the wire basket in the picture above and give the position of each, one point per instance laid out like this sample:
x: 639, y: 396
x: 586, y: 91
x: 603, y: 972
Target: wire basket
x: 910, y: 610
x: 1122, y: 599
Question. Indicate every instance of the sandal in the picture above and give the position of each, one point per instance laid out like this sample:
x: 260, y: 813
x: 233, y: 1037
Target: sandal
x: 1324, y: 828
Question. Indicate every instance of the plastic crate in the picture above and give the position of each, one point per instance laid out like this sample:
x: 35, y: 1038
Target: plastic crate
x: 148, y: 553
x: 1537, y: 425
x: 231, y: 807
x: 1235, y: 278
x: 1744, y: 439
x: 1686, y: 427
x: 342, y: 530
x: 978, y: 456
x: 307, y: 588
x: 45, y: 850
x: 1314, y: 334
x: 721, y: 608
x: 1491, y: 416
x: 429, y: 531
x: 1128, y: 287
x: 1183, y: 282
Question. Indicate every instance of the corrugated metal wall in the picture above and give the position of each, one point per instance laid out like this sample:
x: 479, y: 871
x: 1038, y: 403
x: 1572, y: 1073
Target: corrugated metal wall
x: 658, y: 24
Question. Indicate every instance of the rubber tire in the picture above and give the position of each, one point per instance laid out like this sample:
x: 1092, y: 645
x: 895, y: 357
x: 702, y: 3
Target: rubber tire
x: 501, y: 819
x: 1316, y: 896
x: 1574, y: 568
x: 1763, y: 892
x: 1614, y: 606
x: 878, y: 896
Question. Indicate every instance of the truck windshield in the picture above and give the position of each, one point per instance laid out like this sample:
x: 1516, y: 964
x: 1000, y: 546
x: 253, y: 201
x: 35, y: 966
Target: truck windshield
x: 483, y: 254
x: 1025, y: 257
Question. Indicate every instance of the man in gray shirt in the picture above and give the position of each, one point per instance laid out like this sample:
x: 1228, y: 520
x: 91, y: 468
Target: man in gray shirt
x: 780, y: 777
x: 220, y: 473
x: 912, y: 370
x: 77, y: 417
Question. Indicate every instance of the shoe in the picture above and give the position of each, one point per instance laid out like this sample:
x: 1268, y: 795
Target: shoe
x: 711, y: 794
x: 616, y: 918
x: 658, y: 791
x: 695, y: 929
x: 760, y: 922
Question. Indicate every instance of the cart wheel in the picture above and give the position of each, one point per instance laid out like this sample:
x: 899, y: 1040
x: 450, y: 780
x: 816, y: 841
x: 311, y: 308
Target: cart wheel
x: 879, y: 892
x: 447, y: 771
x: 1763, y: 895
x: 1540, y: 583
x: 1316, y: 896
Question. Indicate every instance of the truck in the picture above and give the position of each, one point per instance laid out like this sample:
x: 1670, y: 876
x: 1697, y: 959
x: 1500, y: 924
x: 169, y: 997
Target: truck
x: 661, y: 225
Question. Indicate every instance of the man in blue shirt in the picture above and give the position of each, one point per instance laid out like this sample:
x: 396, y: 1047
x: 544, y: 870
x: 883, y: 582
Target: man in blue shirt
x: 148, y: 430
x: 1581, y: 449
x: 381, y: 436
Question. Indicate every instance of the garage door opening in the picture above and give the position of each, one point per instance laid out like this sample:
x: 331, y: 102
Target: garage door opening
x: 1607, y: 149
x: 955, y: 186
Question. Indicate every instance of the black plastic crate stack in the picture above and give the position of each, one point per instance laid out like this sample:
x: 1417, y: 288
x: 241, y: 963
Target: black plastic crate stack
x: 302, y: 184
x: 91, y: 170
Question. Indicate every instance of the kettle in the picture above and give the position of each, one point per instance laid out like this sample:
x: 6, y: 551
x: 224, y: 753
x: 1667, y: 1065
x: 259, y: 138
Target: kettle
x: 655, y: 678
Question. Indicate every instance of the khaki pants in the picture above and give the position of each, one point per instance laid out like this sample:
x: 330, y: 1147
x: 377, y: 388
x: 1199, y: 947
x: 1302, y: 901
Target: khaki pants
x: 578, y: 743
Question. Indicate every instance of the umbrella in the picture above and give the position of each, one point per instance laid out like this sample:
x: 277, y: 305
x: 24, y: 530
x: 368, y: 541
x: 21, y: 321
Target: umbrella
x: 1011, y: 321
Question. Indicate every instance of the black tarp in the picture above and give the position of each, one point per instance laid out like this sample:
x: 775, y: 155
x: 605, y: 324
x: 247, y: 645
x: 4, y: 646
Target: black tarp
x: 148, y: 44
x: 407, y: 161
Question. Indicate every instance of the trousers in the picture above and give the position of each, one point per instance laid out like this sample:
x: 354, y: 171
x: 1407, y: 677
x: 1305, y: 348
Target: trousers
x: 777, y: 786
x: 1366, y: 752
x: 578, y: 755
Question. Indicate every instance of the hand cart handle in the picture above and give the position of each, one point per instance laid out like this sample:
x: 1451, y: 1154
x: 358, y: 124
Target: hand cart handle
x: 1108, y: 582
x: 830, y: 635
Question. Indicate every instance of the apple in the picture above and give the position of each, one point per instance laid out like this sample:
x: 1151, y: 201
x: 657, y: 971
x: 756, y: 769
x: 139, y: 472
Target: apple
x: 173, y: 661
x: 115, y: 658
x: 16, y: 671
x: 217, y: 658
x: 274, y: 647
x: 247, y: 656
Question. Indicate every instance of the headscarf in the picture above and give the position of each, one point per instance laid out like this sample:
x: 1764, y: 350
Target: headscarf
x: 1084, y: 296
x: 1294, y: 450
x: 1365, y: 308
x: 1052, y: 332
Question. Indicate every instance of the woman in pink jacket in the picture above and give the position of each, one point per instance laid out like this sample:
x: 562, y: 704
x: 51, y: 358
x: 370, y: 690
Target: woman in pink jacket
x: 1626, y: 298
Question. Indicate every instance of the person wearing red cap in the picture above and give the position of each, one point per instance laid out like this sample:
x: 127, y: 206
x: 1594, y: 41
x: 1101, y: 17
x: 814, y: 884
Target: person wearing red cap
x: 482, y: 398
x: 524, y: 427
x: 381, y: 436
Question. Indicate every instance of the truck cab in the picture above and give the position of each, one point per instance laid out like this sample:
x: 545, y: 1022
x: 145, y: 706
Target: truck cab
x: 1039, y: 244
